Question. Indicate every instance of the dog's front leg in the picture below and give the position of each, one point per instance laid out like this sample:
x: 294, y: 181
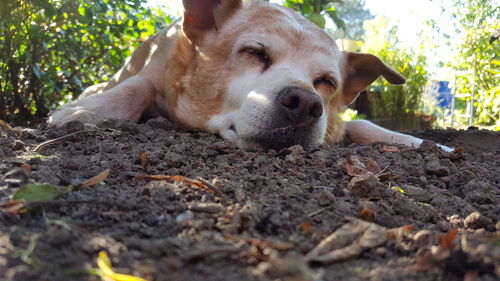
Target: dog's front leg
x: 364, y: 132
x: 126, y: 101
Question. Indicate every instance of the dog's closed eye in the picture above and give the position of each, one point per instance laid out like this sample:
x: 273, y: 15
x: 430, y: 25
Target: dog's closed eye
x: 325, y: 81
x: 258, y: 53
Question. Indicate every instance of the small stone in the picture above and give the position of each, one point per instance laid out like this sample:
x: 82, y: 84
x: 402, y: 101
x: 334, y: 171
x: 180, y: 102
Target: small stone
x: 481, y: 192
x: 435, y: 168
x: 206, y: 207
x: 476, y: 220
x: 365, y: 185
x: 427, y: 146
x: 326, y: 198
x: 18, y: 145
x: 27, y: 134
x: 417, y: 193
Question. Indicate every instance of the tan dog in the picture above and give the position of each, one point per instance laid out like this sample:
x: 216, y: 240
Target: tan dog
x: 255, y: 73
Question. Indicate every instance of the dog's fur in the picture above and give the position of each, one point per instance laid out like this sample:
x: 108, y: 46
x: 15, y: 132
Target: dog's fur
x: 255, y: 73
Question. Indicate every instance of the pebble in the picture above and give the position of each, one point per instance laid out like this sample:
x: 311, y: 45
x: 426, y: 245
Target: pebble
x: 417, y: 193
x: 326, y: 198
x: 476, y: 220
x: 427, y: 146
x: 435, y: 168
x: 365, y: 185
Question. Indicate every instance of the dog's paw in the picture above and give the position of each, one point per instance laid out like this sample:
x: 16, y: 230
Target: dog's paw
x: 75, y: 111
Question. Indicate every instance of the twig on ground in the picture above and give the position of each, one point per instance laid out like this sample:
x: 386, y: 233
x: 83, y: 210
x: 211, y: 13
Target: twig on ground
x: 211, y: 187
x: 319, y: 211
x: 45, y: 143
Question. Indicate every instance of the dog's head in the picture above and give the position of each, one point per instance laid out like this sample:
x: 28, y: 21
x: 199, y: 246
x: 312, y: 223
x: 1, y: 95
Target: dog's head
x: 263, y: 76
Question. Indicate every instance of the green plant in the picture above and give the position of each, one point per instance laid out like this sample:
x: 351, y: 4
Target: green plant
x: 387, y: 100
x: 354, y: 15
x: 52, y: 49
x: 316, y: 10
x: 479, y: 57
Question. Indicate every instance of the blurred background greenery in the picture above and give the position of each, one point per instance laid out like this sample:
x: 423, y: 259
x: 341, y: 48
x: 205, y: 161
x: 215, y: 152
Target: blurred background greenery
x: 52, y: 49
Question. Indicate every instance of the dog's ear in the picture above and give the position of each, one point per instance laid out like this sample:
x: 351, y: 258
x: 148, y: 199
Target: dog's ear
x: 201, y: 16
x: 360, y: 70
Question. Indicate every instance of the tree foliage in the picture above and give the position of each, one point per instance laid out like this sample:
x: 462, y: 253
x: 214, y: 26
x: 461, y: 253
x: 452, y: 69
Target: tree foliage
x: 52, y: 49
x: 477, y: 61
x: 316, y: 10
x: 389, y: 100
x: 354, y: 15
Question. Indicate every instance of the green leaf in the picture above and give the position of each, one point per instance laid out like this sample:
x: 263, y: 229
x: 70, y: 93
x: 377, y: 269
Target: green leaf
x: 307, y: 9
x: 39, y: 192
x: 337, y: 20
x: 494, y: 71
x: 317, y: 19
x: 81, y: 10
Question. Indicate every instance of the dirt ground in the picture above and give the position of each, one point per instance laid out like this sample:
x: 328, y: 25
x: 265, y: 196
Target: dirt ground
x: 394, y: 211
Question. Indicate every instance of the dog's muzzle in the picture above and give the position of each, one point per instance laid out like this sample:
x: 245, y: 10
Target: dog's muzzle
x: 293, y: 121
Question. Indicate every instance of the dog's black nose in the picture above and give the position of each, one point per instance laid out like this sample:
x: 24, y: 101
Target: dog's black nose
x: 300, y: 106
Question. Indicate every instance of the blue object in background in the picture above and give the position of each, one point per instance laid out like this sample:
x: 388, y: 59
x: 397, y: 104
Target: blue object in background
x: 444, y: 96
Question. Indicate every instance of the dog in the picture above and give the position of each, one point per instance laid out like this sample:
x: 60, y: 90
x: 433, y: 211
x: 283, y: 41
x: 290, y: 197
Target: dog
x: 256, y: 73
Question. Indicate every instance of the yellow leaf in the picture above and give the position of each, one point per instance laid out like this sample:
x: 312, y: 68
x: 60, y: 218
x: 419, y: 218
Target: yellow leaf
x: 104, y: 263
x: 107, y: 272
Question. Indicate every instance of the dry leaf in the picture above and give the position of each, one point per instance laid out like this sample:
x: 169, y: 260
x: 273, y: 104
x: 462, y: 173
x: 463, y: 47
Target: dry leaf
x: 385, y: 176
x: 399, y: 232
x: 153, y: 177
x: 144, y: 160
x: 354, y: 166
x: 306, y: 227
x: 349, y: 241
x: 356, y: 161
x: 446, y: 241
x: 177, y: 178
x: 278, y: 245
x: 373, y: 166
x: 26, y: 167
x: 5, y: 125
x: 13, y: 207
x: 407, y: 228
x: 387, y: 148
x: 97, y: 179
x: 353, y: 170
